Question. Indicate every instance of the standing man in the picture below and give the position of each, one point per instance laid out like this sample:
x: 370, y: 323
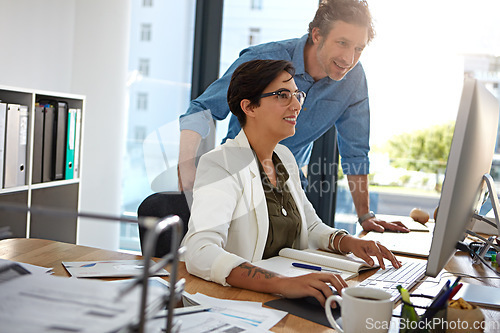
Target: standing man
x: 327, y: 70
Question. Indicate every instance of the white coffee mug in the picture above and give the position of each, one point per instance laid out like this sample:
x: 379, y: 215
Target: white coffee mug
x: 362, y: 309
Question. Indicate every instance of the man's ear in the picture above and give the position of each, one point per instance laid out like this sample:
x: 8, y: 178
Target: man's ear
x: 316, y: 35
x: 246, y: 106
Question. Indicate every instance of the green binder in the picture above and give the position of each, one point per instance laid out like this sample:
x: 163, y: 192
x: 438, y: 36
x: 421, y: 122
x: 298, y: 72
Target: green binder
x: 70, y: 144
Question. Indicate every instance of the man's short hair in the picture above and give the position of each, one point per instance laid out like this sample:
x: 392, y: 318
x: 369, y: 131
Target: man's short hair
x: 249, y: 81
x: 349, y: 11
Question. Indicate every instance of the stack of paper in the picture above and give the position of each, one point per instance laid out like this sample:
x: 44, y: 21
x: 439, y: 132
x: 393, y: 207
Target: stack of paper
x: 108, y: 268
x: 45, y: 303
x: 30, y: 268
x: 224, y: 316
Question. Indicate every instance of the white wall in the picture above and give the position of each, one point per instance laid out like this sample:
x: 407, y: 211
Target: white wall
x: 80, y: 47
x: 99, y: 72
x: 36, y: 42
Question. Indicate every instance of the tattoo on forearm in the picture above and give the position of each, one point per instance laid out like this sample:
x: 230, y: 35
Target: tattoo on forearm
x: 257, y: 272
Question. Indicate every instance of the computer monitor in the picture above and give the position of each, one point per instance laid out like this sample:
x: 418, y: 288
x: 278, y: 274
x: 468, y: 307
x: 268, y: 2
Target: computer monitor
x: 470, y: 157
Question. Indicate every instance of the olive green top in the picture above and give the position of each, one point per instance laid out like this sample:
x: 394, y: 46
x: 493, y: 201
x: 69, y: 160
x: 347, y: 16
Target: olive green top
x: 283, y: 229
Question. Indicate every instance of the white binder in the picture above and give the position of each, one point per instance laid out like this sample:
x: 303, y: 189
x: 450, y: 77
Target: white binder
x: 3, y: 116
x: 16, y: 141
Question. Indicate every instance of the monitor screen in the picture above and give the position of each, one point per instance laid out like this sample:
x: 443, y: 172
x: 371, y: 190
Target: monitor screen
x: 470, y: 157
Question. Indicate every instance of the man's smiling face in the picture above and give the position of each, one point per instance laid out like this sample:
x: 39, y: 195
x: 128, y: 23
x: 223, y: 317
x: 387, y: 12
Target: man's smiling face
x: 339, y: 51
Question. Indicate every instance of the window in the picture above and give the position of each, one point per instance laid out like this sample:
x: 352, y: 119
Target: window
x: 254, y: 36
x: 144, y: 67
x: 428, y: 100
x: 402, y: 100
x: 404, y: 103
x: 142, y: 101
x: 140, y: 133
x: 146, y: 32
x: 164, y: 91
x: 256, y: 5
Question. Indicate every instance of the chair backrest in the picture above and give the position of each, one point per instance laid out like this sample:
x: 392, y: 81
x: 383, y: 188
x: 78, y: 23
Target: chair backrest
x: 160, y: 205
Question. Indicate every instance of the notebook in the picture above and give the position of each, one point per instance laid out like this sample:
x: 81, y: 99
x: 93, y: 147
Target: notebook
x: 407, y: 221
x: 347, y: 266
x: 480, y: 295
x: 413, y: 243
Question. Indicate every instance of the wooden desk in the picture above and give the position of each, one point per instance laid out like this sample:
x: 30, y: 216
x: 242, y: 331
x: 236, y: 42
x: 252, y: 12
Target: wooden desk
x: 48, y: 253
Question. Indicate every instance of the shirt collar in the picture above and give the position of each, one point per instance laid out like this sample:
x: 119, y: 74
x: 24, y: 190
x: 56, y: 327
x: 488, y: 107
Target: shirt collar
x: 298, y: 56
x: 281, y: 172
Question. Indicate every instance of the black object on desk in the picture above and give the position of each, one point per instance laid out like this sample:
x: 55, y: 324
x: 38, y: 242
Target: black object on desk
x: 306, y: 307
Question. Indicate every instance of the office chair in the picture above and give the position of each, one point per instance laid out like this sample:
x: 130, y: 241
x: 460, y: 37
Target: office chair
x: 160, y: 205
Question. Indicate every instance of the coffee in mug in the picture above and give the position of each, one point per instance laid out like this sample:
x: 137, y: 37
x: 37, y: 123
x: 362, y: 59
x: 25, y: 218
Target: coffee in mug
x: 362, y: 309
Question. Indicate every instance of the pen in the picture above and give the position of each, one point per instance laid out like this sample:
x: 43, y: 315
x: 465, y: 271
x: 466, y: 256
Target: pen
x: 456, y: 282
x: 444, y: 298
x: 314, y: 268
x: 441, y: 293
x: 435, y: 302
x: 455, y: 290
x: 183, y: 311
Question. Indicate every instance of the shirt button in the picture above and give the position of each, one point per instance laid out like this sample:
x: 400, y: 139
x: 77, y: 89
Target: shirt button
x: 304, y: 109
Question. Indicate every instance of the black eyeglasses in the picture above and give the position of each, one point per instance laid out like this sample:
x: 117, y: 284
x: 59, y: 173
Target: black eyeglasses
x: 285, y: 96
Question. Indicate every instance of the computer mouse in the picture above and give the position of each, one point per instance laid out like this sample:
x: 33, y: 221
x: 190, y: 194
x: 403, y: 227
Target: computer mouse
x: 310, y: 300
x: 314, y: 302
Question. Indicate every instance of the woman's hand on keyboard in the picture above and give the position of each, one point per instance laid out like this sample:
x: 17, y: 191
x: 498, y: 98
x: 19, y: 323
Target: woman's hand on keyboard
x: 365, y: 249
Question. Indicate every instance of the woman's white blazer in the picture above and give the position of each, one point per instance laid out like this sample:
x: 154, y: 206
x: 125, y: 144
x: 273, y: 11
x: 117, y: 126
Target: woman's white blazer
x: 229, y: 220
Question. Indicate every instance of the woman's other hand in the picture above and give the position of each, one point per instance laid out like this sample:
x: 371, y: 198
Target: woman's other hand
x: 365, y: 249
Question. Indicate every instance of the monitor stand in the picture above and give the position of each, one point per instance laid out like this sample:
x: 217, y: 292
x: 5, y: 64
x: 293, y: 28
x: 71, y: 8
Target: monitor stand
x: 478, y: 294
x: 492, y: 193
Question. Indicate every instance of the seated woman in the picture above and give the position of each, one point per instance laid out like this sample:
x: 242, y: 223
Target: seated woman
x: 248, y: 202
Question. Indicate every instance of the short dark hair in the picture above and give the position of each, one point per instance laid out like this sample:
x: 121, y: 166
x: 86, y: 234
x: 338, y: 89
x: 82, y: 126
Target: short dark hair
x: 249, y: 81
x: 349, y: 11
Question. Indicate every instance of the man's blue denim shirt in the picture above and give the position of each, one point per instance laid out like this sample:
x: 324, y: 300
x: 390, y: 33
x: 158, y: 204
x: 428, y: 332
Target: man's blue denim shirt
x: 341, y: 103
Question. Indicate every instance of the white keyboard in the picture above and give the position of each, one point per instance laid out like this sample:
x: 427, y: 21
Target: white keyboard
x: 406, y: 276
